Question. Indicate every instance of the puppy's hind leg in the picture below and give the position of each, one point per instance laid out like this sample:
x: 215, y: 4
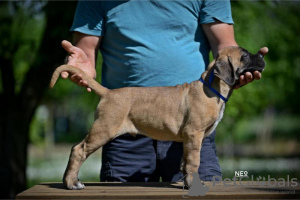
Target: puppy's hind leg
x: 99, y: 135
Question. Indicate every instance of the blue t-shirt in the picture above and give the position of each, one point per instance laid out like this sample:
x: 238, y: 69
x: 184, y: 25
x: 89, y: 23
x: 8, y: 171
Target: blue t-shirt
x: 151, y: 43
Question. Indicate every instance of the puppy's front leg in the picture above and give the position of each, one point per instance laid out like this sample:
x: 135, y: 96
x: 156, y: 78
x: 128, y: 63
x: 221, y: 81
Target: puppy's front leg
x: 191, y: 156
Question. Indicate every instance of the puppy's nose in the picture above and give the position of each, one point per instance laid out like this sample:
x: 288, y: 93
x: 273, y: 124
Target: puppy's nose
x: 260, y: 56
x: 260, y: 62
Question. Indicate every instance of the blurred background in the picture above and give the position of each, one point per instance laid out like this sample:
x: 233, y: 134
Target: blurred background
x: 258, y: 134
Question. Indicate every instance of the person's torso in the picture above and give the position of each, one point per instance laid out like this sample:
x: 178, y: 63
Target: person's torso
x: 152, y: 43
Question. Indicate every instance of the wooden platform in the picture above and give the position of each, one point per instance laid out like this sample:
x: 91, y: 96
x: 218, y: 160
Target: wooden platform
x: 158, y: 191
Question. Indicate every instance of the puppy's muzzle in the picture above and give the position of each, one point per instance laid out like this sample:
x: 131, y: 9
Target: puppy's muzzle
x: 255, y: 62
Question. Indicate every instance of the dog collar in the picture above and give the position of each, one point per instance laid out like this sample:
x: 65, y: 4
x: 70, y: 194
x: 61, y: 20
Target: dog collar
x: 211, y: 78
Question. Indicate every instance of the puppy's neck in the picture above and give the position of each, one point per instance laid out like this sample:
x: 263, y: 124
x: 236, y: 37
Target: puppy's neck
x: 219, y: 85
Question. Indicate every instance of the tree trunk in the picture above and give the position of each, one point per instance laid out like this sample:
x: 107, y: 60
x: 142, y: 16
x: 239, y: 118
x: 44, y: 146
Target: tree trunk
x: 17, y: 110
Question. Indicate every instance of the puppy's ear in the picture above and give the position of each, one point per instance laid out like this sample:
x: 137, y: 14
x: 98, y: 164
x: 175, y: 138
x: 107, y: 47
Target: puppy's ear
x: 224, y: 70
x: 211, y: 64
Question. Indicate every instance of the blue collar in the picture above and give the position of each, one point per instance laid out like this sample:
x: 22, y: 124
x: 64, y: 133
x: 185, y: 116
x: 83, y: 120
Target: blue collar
x: 211, y: 78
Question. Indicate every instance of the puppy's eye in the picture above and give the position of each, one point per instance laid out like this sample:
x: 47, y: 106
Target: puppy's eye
x: 245, y: 56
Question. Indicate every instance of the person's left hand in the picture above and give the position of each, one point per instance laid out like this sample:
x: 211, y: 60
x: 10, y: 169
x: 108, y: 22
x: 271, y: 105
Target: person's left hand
x: 249, y: 77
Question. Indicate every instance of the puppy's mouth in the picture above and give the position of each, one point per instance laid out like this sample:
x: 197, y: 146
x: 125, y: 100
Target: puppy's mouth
x: 250, y: 69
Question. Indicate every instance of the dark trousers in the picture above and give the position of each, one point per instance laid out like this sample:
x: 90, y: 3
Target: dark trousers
x: 142, y: 159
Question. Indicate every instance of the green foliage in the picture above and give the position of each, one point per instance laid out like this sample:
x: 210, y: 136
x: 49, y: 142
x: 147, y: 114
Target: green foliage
x: 20, y: 36
x: 275, y: 25
x: 36, y: 134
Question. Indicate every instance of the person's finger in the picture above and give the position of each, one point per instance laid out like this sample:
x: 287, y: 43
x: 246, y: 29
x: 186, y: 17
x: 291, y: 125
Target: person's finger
x: 73, y: 78
x: 263, y: 51
x: 80, y: 83
x: 237, y: 87
x: 84, y: 83
x: 64, y: 75
x: 76, y: 78
x: 257, y: 75
x: 67, y: 46
x: 248, y: 77
x: 242, y: 80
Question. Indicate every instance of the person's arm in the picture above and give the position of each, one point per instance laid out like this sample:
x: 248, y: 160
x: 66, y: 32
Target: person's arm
x: 221, y: 35
x: 83, y: 55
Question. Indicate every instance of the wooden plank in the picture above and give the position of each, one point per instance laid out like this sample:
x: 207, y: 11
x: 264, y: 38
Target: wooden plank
x: 158, y: 191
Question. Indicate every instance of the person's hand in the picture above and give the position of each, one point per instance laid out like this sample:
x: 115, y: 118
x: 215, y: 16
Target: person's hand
x: 249, y: 77
x: 78, y: 58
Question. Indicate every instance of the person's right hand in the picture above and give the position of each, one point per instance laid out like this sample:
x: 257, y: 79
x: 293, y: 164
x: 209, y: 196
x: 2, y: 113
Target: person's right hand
x: 78, y: 58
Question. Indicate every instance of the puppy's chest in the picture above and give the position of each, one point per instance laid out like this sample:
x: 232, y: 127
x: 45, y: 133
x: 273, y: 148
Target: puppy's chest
x: 214, y: 126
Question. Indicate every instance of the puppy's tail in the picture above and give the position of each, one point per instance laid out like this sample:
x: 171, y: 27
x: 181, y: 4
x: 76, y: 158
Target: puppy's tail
x: 94, y: 85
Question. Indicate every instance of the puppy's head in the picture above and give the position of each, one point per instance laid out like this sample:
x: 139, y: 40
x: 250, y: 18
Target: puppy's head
x: 232, y: 62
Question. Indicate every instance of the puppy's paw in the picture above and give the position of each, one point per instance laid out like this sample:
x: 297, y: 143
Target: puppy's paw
x: 78, y: 186
x: 188, y: 179
x: 73, y: 184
